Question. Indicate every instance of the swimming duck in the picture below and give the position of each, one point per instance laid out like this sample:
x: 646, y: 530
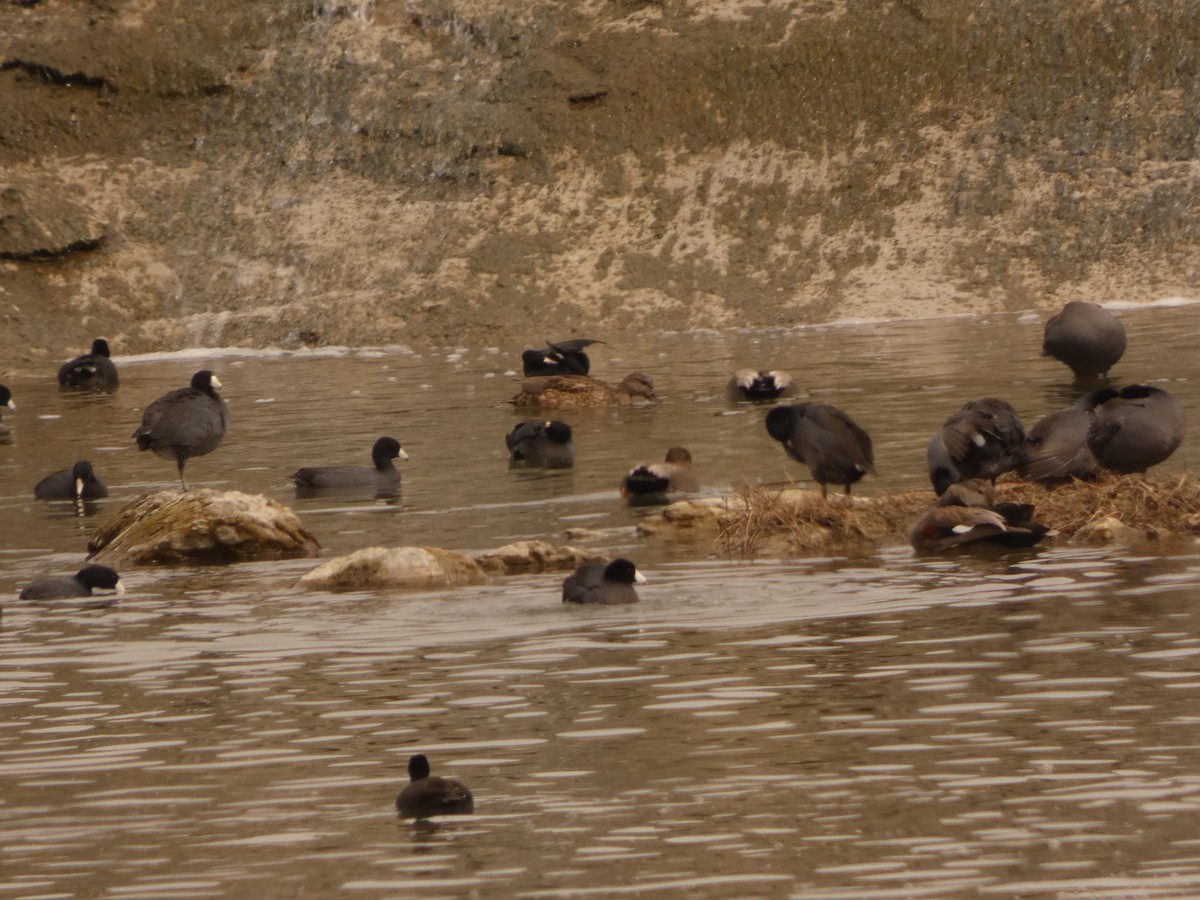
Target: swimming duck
x: 1137, y: 429
x: 579, y: 391
x: 541, y: 444
x: 599, y: 583
x: 672, y: 475
x: 382, y: 473
x: 92, y: 371
x: 1055, y: 449
x: 981, y: 440
x: 755, y: 384
x: 80, y: 482
x: 6, y: 399
x: 81, y: 584
x: 835, y: 449
x: 559, y: 358
x: 428, y: 795
x: 186, y: 422
x: 965, y: 514
x: 1086, y: 337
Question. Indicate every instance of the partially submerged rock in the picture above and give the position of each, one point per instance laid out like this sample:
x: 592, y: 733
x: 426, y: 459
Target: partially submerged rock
x: 200, y: 526
x: 394, y: 567
x: 534, y: 556
x: 683, y: 519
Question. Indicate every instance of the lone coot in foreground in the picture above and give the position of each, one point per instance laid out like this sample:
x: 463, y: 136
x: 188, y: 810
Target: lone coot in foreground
x: 1055, y: 449
x: 1137, y: 429
x: 559, y: 358
x: 981, y: 440
x: 755, y: 384
x: 187, y: 422
x: 578, y: 391
x: 382, y: 474
x: 835, y: 449
x: 428, y: 795
x: 80, y: 482
x: 600, y: 583
x: 541, y: 443
x: 80, y: 584
x: 92, y: 371
x: 672, y: 475
x: 1086, y: 337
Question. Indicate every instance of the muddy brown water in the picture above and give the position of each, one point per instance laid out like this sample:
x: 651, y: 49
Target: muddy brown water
x: 877, y: 726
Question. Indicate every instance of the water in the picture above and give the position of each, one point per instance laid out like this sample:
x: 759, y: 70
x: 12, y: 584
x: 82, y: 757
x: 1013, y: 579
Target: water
x: 875, y: 726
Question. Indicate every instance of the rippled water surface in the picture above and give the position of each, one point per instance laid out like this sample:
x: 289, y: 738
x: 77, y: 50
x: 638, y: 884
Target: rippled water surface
x: 876, y: 726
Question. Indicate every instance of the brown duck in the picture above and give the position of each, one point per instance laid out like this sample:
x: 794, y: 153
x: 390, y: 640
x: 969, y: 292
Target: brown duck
x: 581, y: 391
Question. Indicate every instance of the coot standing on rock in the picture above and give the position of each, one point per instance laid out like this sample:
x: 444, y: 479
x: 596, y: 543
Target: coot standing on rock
x: 186, y: 422
x: 428, y: 795
x: 80, y: 482
x: 1086, y: 337
x: 1136, y: 430
x: 92, y: 371
x: 382, y: 474
x: 822, y: 437
x: 981, y: 440
x: 600, y: 583
x: 541, y: 443
x: 1055, y: 448
x: 81, y: 584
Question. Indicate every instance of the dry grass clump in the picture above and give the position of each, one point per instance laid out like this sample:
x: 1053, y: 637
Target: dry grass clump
x: 787, y: 519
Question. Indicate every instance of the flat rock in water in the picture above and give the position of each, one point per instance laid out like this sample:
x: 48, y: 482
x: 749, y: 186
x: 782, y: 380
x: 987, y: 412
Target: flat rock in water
x: 398, y: 567
x: 534, y: 556
x: 202, y: 526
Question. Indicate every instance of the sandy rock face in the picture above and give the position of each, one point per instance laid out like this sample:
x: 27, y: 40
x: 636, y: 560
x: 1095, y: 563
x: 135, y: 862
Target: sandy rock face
x: 203, y: 526
x: 398, y: 567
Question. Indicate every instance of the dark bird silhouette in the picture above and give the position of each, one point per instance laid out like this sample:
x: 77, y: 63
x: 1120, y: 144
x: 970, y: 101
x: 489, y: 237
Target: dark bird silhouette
x: 1086, y: 337
x: 428, y: 795
x: 187, y: 422
x: 559, y: 358
x: 981, y: 440
x: 6, y: 399
x: 581, y: 391
x: 599, y: 583
x: 835, y: 449
x: 1137, y: 429
x: 964, y: 514
x: 1055, y: 449
x: 80, y: 482
x: 81, y: 584
x: 755, y: 384
x: 541, y: 444
x: 671, y: 476
x: 92, y: 371
x: 382, y: 473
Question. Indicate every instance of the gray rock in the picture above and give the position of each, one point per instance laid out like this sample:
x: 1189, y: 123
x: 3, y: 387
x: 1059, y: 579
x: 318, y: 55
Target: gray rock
x: 168, y: 527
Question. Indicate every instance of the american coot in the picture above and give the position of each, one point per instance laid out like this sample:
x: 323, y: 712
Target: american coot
x: 754, y: 384
x: 6, y: 399
x: 382, y: 474
x: 428, y: 795
x: 578, y: 391
x: 80, y: 585
x: 187, y: 422
x: 92, y: 371
x: 1055, y: 449
x: 1086, y: 337
x: 559, y: 358
x: 542, y: 444
x: 964, y: 514
x: 1136, y: 430
x: 673, y: 475
x: 79, y: 482
x: 600, y: 583
x: 835, y: 449
x: 981, y: 440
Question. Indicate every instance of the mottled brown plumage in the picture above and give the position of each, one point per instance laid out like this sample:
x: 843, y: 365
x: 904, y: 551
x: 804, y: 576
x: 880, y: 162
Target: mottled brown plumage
x: 581, y: 391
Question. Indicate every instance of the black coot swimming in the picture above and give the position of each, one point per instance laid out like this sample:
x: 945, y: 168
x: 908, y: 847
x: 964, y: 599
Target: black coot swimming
x: 381, y: 474
x: 81, y: 584
x: 80, y: 482
x: 91, y: 371
x: 541, y: 444
x: 187, y: 422
x: 428, y: 795
x: 599, y: 583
